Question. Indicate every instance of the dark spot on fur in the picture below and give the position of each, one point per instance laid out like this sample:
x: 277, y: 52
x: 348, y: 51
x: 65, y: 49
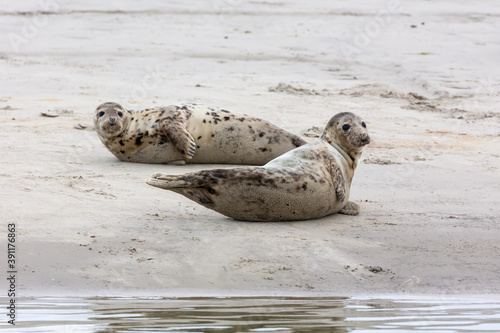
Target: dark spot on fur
x: 199, y: 137
x: 138, y: 141
x: 121, y: 143
x: 213, y: 135
x: 201, y: 197
x: 297, y: 142
x: 225, y: 111
x: 269, y: 181
x: 263, y: 149
x: 230, y: 129
x: 204, y: 121
x: 208, y: 113
x: 261, y: 134
x: 273, y: 139
x: 226, y: 118
x: 219, y: 174
x: 198, y: 147
x: 132, y: 118
x: 157, y: 120
x: 122, y: 151
x: 304, y: 186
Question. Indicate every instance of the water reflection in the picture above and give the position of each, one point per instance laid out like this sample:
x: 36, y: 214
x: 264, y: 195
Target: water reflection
x: 256, y: 315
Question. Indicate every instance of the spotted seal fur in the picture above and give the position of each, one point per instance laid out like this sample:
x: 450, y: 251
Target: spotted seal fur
x: 192, y: 133
x: 308, y: 182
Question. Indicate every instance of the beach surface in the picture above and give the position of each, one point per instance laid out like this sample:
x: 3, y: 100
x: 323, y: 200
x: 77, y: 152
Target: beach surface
x: 423, y: 75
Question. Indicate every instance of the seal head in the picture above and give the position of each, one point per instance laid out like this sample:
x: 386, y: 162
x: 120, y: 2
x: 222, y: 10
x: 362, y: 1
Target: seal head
x: 347, y: 133
x: 110, y: 119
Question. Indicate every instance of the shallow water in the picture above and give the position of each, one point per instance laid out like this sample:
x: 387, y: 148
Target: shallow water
x: 273, y: 314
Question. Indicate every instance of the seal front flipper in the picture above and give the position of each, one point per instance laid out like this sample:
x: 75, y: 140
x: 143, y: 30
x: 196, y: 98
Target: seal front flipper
x: 182, y: 140
x: 350, y: 208
x: 338, y: 181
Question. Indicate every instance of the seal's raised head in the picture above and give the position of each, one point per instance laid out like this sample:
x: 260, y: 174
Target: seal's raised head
x: 110, y: 119
x: 348, y: 131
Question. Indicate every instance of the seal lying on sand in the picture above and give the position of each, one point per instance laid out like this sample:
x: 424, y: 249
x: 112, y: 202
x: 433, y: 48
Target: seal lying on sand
x: 191, y: 133
x: 308, y: 182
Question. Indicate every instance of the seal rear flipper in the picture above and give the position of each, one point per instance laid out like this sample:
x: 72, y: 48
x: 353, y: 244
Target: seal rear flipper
x: 182, y: 140
x: 190, y: 187
x: 195, y: 180
x: 167, y: 182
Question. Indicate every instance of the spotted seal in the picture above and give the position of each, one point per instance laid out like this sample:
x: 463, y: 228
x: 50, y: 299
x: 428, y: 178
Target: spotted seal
x: 308, y: 182
x: 192, y: 133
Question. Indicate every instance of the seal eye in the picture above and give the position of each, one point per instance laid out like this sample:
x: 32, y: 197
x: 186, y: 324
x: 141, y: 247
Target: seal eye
x: 346, y: 127
x: 363, y: 124
x: 120, y: 114
x: 100, y: 114
x: 210, y: 190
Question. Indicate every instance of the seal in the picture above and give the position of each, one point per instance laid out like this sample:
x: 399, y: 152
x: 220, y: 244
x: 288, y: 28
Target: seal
x: 308, y: 182
x: 191, y: 133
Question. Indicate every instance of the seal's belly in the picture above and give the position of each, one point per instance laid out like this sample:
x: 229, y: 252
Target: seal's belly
x: 302, y: 192
x: 237, y: 140
x: 155, y: 154
x: 262, y: 203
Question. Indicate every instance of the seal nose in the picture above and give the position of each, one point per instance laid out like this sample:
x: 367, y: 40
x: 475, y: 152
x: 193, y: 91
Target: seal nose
x: 112, y: 121
x: 365, y: 138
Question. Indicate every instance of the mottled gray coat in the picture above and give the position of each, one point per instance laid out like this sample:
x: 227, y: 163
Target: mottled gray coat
x: 308, y: 182
x: 191, y: 133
